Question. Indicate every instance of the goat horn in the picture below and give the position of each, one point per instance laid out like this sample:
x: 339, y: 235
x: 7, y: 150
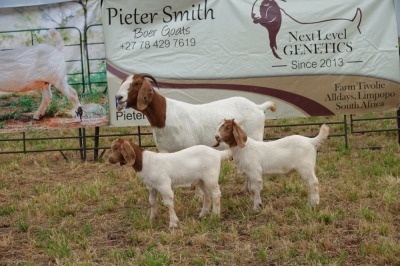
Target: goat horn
x: 146, y: 75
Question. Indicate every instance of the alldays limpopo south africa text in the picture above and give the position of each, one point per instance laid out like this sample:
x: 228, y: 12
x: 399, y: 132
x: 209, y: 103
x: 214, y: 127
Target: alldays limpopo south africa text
x: 359, y: 95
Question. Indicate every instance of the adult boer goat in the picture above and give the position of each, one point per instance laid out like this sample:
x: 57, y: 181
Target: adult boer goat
x: 37, y: 67
x: 178, y: 125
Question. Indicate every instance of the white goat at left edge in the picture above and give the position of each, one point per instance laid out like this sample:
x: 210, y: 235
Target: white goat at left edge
x: 37, y: 67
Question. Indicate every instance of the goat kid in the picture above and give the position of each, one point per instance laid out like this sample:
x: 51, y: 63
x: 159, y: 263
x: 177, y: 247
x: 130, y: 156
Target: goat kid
x: 256, y: 158
x: 178, y: 125
x: 198, y: 165
x: 37, y: 67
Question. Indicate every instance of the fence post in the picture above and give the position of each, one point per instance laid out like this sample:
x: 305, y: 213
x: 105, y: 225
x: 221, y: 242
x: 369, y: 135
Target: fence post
x: 96, y: 142
x: 140, y: 137
x: 398, y: 125
x: 24, y: 141
x: 82, y: 143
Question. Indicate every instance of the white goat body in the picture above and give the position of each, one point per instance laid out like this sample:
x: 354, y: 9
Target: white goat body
x: 178, y: 125
x: 188, y: 124
x: 256, y: 158
x: 37, y: 67
x: 198, y: 165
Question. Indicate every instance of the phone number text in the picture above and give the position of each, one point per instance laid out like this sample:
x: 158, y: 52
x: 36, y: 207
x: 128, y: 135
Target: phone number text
x: 159, y: 44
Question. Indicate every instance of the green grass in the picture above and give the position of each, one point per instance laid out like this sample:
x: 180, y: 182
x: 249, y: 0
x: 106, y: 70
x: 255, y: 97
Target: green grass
x: 54, y: 211
x: 23, y: 103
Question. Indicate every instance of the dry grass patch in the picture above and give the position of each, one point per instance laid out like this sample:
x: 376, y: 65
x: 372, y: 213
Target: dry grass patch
x: 94, y: 213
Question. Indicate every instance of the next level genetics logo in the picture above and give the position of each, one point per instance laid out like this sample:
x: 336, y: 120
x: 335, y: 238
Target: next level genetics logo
x: 268, y: 14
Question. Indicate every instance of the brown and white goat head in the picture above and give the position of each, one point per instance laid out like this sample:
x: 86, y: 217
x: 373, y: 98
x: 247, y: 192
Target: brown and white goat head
x: 231, y: 133
x: 122, y: 151
x: 136, y: 92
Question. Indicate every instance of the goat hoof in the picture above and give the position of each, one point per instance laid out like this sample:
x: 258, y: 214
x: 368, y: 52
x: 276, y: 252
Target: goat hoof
x: 313, y: 205
x: 314, y: 201
x: 37, y: 117
x: 173, y: 225
x: 257, y: 207
x: 203, y: 214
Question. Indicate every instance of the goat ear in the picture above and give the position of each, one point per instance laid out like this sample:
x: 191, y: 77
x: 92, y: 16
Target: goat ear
x: 128, y: 153
x: 145, y: 95
x: 239, y: 135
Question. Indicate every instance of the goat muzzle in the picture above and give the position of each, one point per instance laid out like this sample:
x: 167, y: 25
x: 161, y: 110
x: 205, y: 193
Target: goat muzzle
x: 215, y: 145
x: 112, y: 160
x: 120, y: 102
x: 218, y: 141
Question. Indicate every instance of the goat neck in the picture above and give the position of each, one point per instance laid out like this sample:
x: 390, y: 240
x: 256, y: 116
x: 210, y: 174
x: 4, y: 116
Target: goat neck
x: 156, y: 111
x: 138, y: 165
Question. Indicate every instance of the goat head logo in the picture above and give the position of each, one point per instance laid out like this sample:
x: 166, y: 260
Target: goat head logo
x: 270, y: 17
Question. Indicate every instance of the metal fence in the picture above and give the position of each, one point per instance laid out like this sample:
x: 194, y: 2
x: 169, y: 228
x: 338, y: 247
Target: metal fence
x: 95, y: 63
x: 357, y: 125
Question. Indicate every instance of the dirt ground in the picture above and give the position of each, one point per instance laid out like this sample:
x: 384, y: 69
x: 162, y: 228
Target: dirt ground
x: 23, y: 121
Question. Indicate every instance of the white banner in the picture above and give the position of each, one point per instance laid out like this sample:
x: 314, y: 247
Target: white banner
x: 311, y: 57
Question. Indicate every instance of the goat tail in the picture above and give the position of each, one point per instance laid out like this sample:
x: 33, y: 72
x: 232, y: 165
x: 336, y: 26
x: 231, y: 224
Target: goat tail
x: 267, y: 105
x: 225, y: 154
x: 323, y: 135
x: 55, y: 35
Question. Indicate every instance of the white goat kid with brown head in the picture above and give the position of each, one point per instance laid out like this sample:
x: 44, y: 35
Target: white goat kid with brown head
x: 256, y: 158
x: 198, y: 165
